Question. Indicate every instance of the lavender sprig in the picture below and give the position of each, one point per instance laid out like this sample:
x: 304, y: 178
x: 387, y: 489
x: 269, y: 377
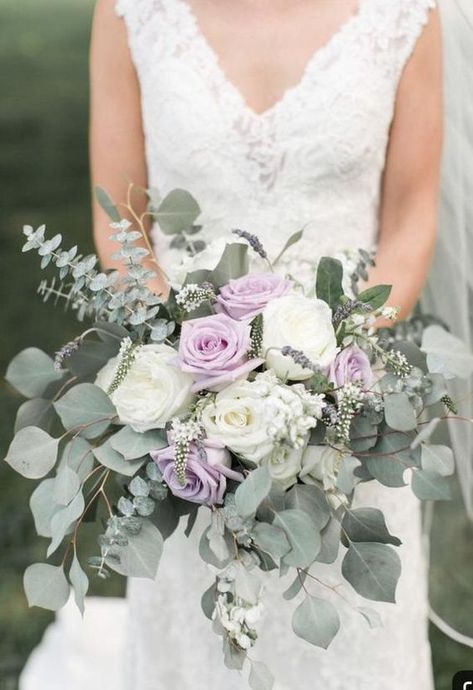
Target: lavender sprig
x: 298, y: 357
x: 253, y: 241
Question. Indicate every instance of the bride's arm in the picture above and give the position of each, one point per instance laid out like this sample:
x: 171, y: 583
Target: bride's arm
x: 116, y: 134
x: 408, y: 217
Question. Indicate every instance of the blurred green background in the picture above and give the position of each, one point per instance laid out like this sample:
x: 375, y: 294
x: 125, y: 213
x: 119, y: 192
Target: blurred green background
x: 44, y: 178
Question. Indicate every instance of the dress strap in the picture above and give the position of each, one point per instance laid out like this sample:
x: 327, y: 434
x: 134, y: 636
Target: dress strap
x: 413, y: 17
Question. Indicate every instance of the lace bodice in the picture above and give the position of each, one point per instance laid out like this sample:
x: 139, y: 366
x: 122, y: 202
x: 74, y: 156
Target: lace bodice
x: 312, y: 160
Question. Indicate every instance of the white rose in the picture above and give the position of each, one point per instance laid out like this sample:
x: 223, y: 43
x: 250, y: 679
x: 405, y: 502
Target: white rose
x: 284, y: 465
x: 304, y: 324
x: 237, y: 419
x: 320, y: 464
x: 152, y: 392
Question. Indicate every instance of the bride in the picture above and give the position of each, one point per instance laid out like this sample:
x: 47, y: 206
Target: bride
x: 275, y: 115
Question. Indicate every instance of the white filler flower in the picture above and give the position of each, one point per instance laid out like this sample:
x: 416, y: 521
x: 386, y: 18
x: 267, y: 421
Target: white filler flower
x: 153, y: 390
x: 304, y: 324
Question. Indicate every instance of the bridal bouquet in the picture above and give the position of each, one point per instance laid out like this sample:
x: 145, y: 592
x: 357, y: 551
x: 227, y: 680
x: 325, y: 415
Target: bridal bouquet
x: 241, y: 395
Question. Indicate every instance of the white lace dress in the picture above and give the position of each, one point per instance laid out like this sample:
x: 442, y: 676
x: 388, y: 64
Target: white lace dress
x: 313, y: 160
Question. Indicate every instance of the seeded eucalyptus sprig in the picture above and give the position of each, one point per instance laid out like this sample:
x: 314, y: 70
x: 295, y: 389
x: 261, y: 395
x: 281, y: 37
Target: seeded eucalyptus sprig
x: 91, y: 293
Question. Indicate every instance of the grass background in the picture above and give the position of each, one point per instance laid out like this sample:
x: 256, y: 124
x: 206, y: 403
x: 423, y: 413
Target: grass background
x: 44, y: 178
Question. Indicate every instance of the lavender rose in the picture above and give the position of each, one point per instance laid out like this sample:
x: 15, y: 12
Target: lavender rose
x: 207, y: 470
x: 246, y: 297
x: 351, y: 365
x: 214, y: 350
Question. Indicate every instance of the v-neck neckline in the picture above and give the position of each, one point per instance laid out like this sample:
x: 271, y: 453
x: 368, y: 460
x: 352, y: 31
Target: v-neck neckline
x: 314, y: 60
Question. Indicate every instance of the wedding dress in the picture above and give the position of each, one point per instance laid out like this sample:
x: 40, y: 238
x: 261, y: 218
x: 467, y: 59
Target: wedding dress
x: 314, y: 160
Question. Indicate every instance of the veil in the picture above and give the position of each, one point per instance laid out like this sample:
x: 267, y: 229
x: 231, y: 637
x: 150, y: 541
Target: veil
x: 449, y: 290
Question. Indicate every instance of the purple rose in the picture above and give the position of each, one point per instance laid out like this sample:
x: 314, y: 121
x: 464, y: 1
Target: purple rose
x: 246, y: 297
x: 207, y: 469
x: 350, y: 365
x: 214, y: 349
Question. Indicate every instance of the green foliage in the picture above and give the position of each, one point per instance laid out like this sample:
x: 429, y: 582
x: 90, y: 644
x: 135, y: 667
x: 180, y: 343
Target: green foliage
x: 376, y: 296
x: 133, y: 445
x: 177, y: 212
x: 372, y: 569
x: 329, y: 281
x: 316, y: 621
x: 251, y: 493
x: 32, y: 453
x: 368, y: 525
x: 46, y: 586
x: 303, y: 538
x: 79, y: 582
x: 86, y: 409
x: 31, y: 372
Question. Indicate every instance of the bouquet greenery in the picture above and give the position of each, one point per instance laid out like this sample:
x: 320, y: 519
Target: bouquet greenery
x: 242, y: 395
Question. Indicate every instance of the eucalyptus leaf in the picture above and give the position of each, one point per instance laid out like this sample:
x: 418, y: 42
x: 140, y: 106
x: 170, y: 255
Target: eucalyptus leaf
x: 104, y: 200
x: 446, y: 354
x: 216, y: 536
x: 31, y: 372
x: 139, y: 487
x: 141, y: 555
x: 63, y: 520
x: 233, y: 263
x: 399, y: 412
x: 368, y: 525
x: 312, y: 501
x: 426, y: 432
x: 316, y: 621
x: 32, y: 453
x: 208, y: 555
x: 43, y: 506
x: 132, y: 445
x: 294, y: 589
x: 37, y: 412
x: 363, y: 433
x: 270, y: 539
x: 346, y: 478
x: 391, y: 456
x: 303, y: 537
x: 260, y: 677
x: 207, y: 601
x: 116, y: 462
x: 330, y: 537
x: 78, y: 456
x: 79, y: 582
x: 373, y: 570
x: 66, y: 486
x: 429, y: 485
x: 252, y: 491
x: 438, y: 459
x: 91, y: 357
x: 177, y: 212
x: 329, y: 281
x: 86, y: 407
x: 46, y: 586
